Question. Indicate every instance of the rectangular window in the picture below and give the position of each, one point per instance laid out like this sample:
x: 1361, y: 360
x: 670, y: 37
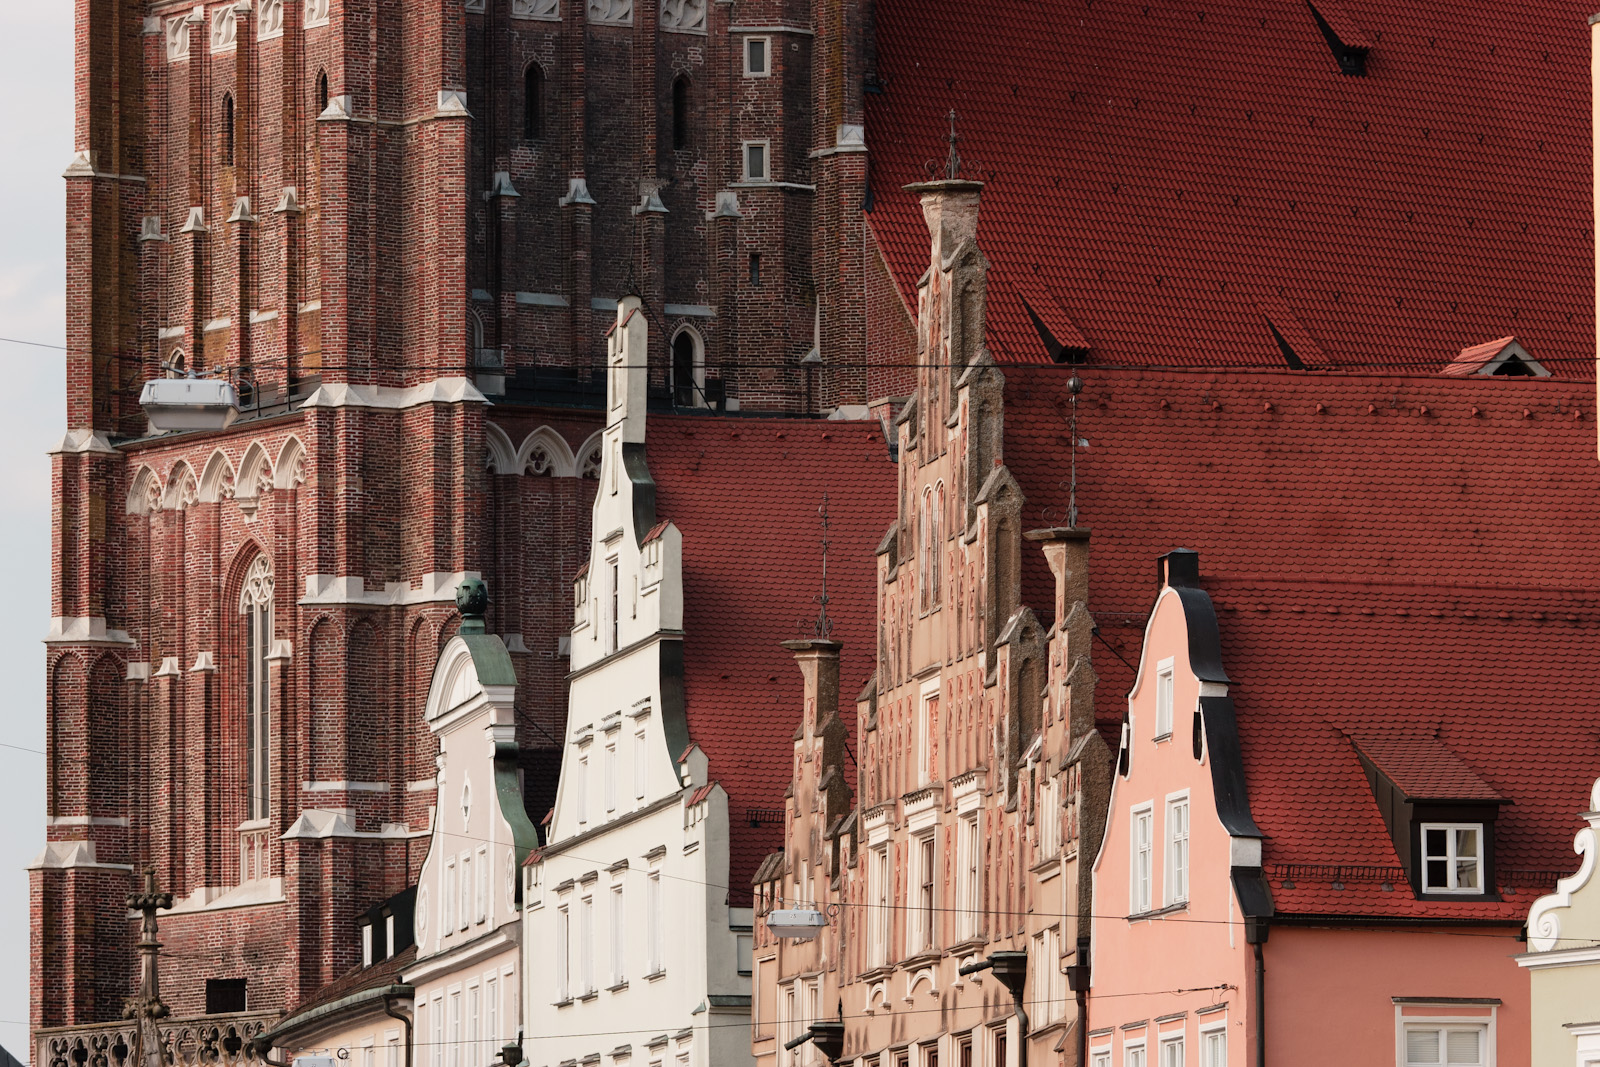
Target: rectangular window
x: 1457, y: 1046
x: 447, y: 901
x: 1100, y: 1059
x: 1140, y: 874
x: 927, y: 723
x: 473, y: 1021
x: 1164, y: 699
x: 563, y: 955
x: 964, y: 1051
x: 971, y: 854
x: 655, y: 935
x: 1133, y: 1056
x: 1172, y: 1052
x: 491, y: 1017
x: 1176, y: 876
x: 1214, y: 1048
x: 452, y: 1046
x: 225, y: 996
x: 480, y: 886
x: 466, y: 889
x: 618, y: 942
x: 787, y: 1025
x: 611, y: 776
x: 926, y: 869
x: 1452, y: 858
x: 1048, y: 823
x: 757, y: 57
x: 437, y: 1010
x: 612, y: 646
x: 878, y: 890
x: 586, y: 946
x: 755, y: 268
x: 1000, y: 1052
x: 638, y: 765
x: 580, y: 799
x: 755, y: 161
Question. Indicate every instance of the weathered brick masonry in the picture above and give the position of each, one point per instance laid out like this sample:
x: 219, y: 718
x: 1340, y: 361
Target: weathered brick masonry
x: 368, y: 211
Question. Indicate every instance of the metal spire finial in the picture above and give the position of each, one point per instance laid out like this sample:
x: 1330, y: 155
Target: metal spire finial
x: 147, y: 1006
x: 1074, y: 386
x: 824, y: 625
x: 952, y: 166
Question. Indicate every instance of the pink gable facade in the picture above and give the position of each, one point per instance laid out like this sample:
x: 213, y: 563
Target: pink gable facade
x: 1193, y: 961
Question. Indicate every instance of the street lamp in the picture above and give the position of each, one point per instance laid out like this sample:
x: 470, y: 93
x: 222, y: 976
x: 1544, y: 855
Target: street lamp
x: 802, y: 924
x: 1010, y: 968
x: 828, y: 1037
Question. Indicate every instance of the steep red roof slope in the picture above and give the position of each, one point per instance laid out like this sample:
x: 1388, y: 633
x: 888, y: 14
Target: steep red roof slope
x: 745, y: 494
x: 1390, y: 565
x: 1171, y: 170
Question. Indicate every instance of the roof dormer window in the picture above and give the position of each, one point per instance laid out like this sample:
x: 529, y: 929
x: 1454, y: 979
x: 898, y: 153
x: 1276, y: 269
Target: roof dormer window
x: 1502, y: 358
x: 1452, y: 857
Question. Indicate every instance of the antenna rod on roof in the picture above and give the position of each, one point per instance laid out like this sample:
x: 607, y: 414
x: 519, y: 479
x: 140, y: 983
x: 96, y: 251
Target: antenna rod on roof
x: 824, y: 624
x: 1074, y: 386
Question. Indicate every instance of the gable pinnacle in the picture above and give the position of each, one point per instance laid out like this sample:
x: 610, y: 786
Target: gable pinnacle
x: 952, y: 166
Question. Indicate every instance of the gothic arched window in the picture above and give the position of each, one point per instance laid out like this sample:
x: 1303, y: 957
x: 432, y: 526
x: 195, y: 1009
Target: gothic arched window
x: 533, y: 102
x: 680, y: 112
x: 227, y: 129
x: 255, y: 605
x: 322, y: 91
x: 688, y: 369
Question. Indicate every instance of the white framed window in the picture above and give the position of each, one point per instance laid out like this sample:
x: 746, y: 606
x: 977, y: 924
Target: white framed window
x: 1049, y: 992
x: 655, y: 935
x: 638, y: 765
x: 878, y: 895
x: 1164, y: 698
x: 447, y: 900
x: 1454, y: 1044
x: 466, y: 890
x: 1139, y: 850
x: 1133, y: 1055
x: 757, y: 57
x: 474, y: 1023
x: 586, y: 945
x: 1048, y: 823
x: 1176, y: 876
x: 580, y: 799
x: 619, y: 941
x: 491, y: 1016
x: 969, y: 887
x: 1214, y: 1048
x: 611, y: 776
x: 452, y: 1049
x: 563, y: 954
x: 436, y: 1010
x: 927, y: 724
x: 1172, y: 1051
x: 1452, y: 858
x: 1100, y: 1057
x: 614, y: 621
x: 787, y: 1021
x: 756, y: 168
x: 924, y: 869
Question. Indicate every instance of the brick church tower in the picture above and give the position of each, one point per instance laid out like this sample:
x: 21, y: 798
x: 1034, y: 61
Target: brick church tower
x: 400, y: 227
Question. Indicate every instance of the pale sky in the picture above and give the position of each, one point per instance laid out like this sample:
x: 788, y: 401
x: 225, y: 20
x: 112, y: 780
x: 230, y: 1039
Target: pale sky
x: 35, y: 147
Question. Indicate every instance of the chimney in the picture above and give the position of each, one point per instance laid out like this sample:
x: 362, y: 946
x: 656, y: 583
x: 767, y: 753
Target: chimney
x: 1066, y: 549
x: 1179, y: 568
x: 628, y: 370
x: 818, y: 660
x: 950, y: 208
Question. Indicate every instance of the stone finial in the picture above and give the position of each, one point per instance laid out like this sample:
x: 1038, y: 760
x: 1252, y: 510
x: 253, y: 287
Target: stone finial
x: 472, y: 597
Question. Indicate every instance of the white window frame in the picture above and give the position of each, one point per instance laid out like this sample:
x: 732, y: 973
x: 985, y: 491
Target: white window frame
x: 929, y: 698
x: 970, y: 878
x: 1169, y: 1042
x: 581, y: 789
x: 563, y: 954
x: 640, y: 765
x: 619, y: 940
x: 1099, y: 1056
x: 1133, y: 1054
x: 924, y: 914
x: 480, y: 887
x: 1048, y: 822
x: 765, y: 71
x: 655, y: 933
x: 765, y: 144
x: 878, y: 890
x: 1164, y: 698
x: 1443, y: 1023
x: 586, y: 944
x: 610, y: 771
x: 1140, y: 896
x: 452, y: 1037
x: 1213, y: 1035
x: 472, y: 1024
x: 447, y: 900
x: 1176, y: 864
x: 1451, y: 858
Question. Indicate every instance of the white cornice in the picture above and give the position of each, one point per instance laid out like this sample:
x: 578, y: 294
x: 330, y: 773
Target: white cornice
x: 435, y: 587
x: 83, y: 441
x: 455, y: 390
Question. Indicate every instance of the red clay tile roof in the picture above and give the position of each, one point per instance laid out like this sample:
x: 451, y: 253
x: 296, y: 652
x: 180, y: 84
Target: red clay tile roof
x: 1167, y: 167
x: 1423, y: 768
x: 1374, y: 568
x: 744, y: 494
x: 655, y: 531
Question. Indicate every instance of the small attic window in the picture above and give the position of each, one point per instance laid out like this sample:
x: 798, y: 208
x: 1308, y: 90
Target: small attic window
x: 1504, y: 357
x: 1345, y: 39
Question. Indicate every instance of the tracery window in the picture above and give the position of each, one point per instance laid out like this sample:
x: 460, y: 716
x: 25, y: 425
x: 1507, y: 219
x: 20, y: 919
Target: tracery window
x: 255, y: 605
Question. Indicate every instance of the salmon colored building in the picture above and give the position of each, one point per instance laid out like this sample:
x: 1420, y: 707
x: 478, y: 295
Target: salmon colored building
x: 1324, y: 822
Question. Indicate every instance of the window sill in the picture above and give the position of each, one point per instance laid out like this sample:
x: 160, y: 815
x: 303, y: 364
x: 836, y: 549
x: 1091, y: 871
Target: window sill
x: 1158, y: 738
x: 1049, y: 865
x: 619, y: 987
x: 567, y: 1003
x: 654, y: 976
x: 1160, y: 913
x: 921, y: 959
x: 882, y: 970
x: 967, y: 947
x: 589, y: 996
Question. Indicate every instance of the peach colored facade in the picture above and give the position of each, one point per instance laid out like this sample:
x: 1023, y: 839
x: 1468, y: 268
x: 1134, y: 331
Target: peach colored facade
x: 1183, y: 909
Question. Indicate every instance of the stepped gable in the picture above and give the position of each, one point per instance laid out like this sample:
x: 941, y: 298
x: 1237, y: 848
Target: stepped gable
x: 1176, y: 175
x: 1392, y: 565
x: 745, y: 493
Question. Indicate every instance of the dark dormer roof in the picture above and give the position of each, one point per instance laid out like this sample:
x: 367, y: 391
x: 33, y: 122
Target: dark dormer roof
x: 1424, y: 769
